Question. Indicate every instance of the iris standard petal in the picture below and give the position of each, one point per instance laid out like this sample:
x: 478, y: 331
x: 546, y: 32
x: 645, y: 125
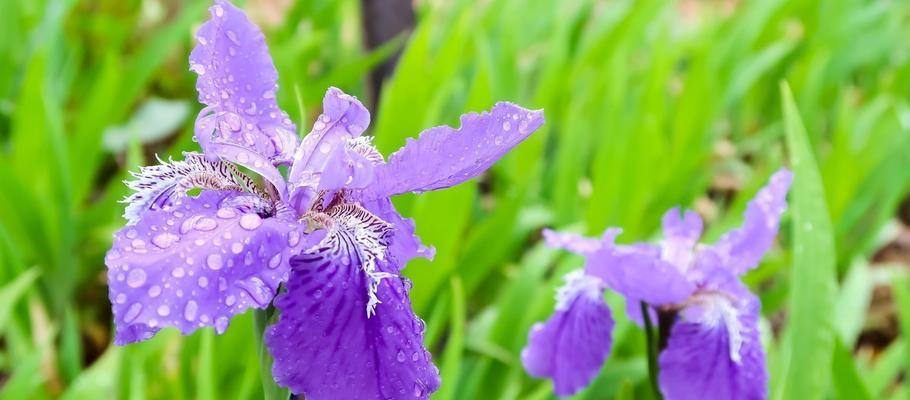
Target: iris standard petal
x: 714, y: 350
x: 197, y: 263
x: 573, y: 344
x: 237, y: 81
x: 681, y: 233
x: 443, y: 156
x: 347, y: 330
x: 639, y: 272
x: 342, y: 120
x: 742, y: 249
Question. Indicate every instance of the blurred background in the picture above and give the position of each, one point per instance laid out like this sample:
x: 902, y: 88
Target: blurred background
x: 649, y: 104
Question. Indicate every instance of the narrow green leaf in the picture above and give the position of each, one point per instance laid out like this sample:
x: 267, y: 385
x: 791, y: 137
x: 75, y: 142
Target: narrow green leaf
x: 812, y: 276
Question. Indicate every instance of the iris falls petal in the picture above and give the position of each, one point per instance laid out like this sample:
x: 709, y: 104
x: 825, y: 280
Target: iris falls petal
x: 573, y: 344
x: 196, y: 263
x: 714, y: 350
x: 346, y: 328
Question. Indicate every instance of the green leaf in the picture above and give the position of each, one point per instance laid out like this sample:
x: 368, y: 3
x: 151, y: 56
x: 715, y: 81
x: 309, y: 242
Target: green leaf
x: 810, y: 333
x: 11, y: 293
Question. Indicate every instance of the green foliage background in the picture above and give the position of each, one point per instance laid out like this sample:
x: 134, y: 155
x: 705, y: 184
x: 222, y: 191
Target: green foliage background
x: 649, y: 104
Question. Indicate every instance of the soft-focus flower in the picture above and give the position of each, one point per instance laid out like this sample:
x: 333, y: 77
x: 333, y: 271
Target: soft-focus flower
x: 328, y: 232
x: 713, y: 349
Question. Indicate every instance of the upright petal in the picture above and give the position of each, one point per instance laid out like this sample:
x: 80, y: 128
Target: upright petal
x: 638, y: 272
x: 330, y: 143
x: 346, y: 329
x: 573, y: 344
x: 681, y: 233
x: 237, y: 81
x: 714, y: 350
x: 442, y: 156
x: 743, y: 248
x: 197, y: 263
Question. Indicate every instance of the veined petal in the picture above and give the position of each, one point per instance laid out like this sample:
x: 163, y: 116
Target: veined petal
x: 333, y: 339
x: 639, y: 272
x: 158, y: 186
x: 237, y: 81
x: 343, y: 119
x: 197, y: 263
x: 714, y: 350
x: 573, y: 344
x: 681, y: 233
x: 742, y: 249
x: 442, y: 156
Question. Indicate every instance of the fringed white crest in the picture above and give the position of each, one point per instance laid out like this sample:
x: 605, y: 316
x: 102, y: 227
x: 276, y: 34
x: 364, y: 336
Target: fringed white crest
x: 363, y: 145
x: 355, y: 236
x: 157, y: 186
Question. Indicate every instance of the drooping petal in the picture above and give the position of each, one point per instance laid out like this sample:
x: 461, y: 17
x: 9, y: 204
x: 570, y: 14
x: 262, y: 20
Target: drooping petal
x: 237, y: 81
x: 681, y: 233
x: 578, y: 244
x: 197, y: 263
x: 573, y: 344
x: 442, y: 156
x: 638, y: 272
x: 330, y: 142
x: 346, y: 329
x: 742, y: 249
x: 714, y: 350
x: 158, y: 186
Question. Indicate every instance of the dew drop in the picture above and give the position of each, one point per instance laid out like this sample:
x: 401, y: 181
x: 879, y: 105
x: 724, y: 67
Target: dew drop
x: 219, y: 12
x: 319, y: 125
x: 203, y: 281
x: 165, y: 240
x: 154, y: 291
x: 293, y: 238
x: 214, y: 261
x: 120, y: 299
x: 230, y: 300
x: 274, y: 261
x: 178, y: 272
x: 135, y: 278
x: 131, y: 234
x: 236, y: 247
x: 325, y: 148
x: 221, y: 324
x: 226, y: 213
x: 205, y: 224
x: 132, y: 313
x: 189, y: 312
x: 250, y: 221
x: 242, y: 157
x: 164, y: 310
x: 233, y: 37
x: 507, y: 126
x: 400, y: 356
x: 268, y: 94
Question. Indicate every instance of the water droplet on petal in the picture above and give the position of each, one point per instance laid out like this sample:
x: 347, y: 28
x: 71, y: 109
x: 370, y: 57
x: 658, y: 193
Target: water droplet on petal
x: 230, y: 300
x: 236, y: 247
x: 203, y: 281
x: 154, y: 291
x: 219, y: 12
x: 165, y: 240
x: 221, y: 324
x: 135, y: 278
x: 293, y: 238
x: 233, y: 37
x: 205, y: 224
x: 178, y: 272
x: 214, y: 261
x: 120, y: 299
x: 400, y: 356
x: 131, y: 234
x: 164, y: 310
x: 226, y: 213
x: 274, y: 261
x: 132, y: 312
x: 242, y: 157
x: 189, y: 312
x: 507, y: 126
x: 250, y: 221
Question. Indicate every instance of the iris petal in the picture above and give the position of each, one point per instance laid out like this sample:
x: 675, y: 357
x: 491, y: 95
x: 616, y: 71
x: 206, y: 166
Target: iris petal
x: 238, y: 83
x: 443, y: 156
x: 197, y: 263
x: 742, y: 249
x: 573, y: 344
x: 714, y: 350
x: 328, y: 343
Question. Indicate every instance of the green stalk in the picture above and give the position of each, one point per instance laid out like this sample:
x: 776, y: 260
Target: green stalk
x: 652, y: 349
x: 271, y: 390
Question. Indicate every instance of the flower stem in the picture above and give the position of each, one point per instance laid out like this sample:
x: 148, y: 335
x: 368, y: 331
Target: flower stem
x: 652, y: 349
x: 271, y: 390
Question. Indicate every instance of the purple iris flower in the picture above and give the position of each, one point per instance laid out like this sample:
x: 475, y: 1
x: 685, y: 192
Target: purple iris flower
x: 712, y: 350
x: 328, y: 231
